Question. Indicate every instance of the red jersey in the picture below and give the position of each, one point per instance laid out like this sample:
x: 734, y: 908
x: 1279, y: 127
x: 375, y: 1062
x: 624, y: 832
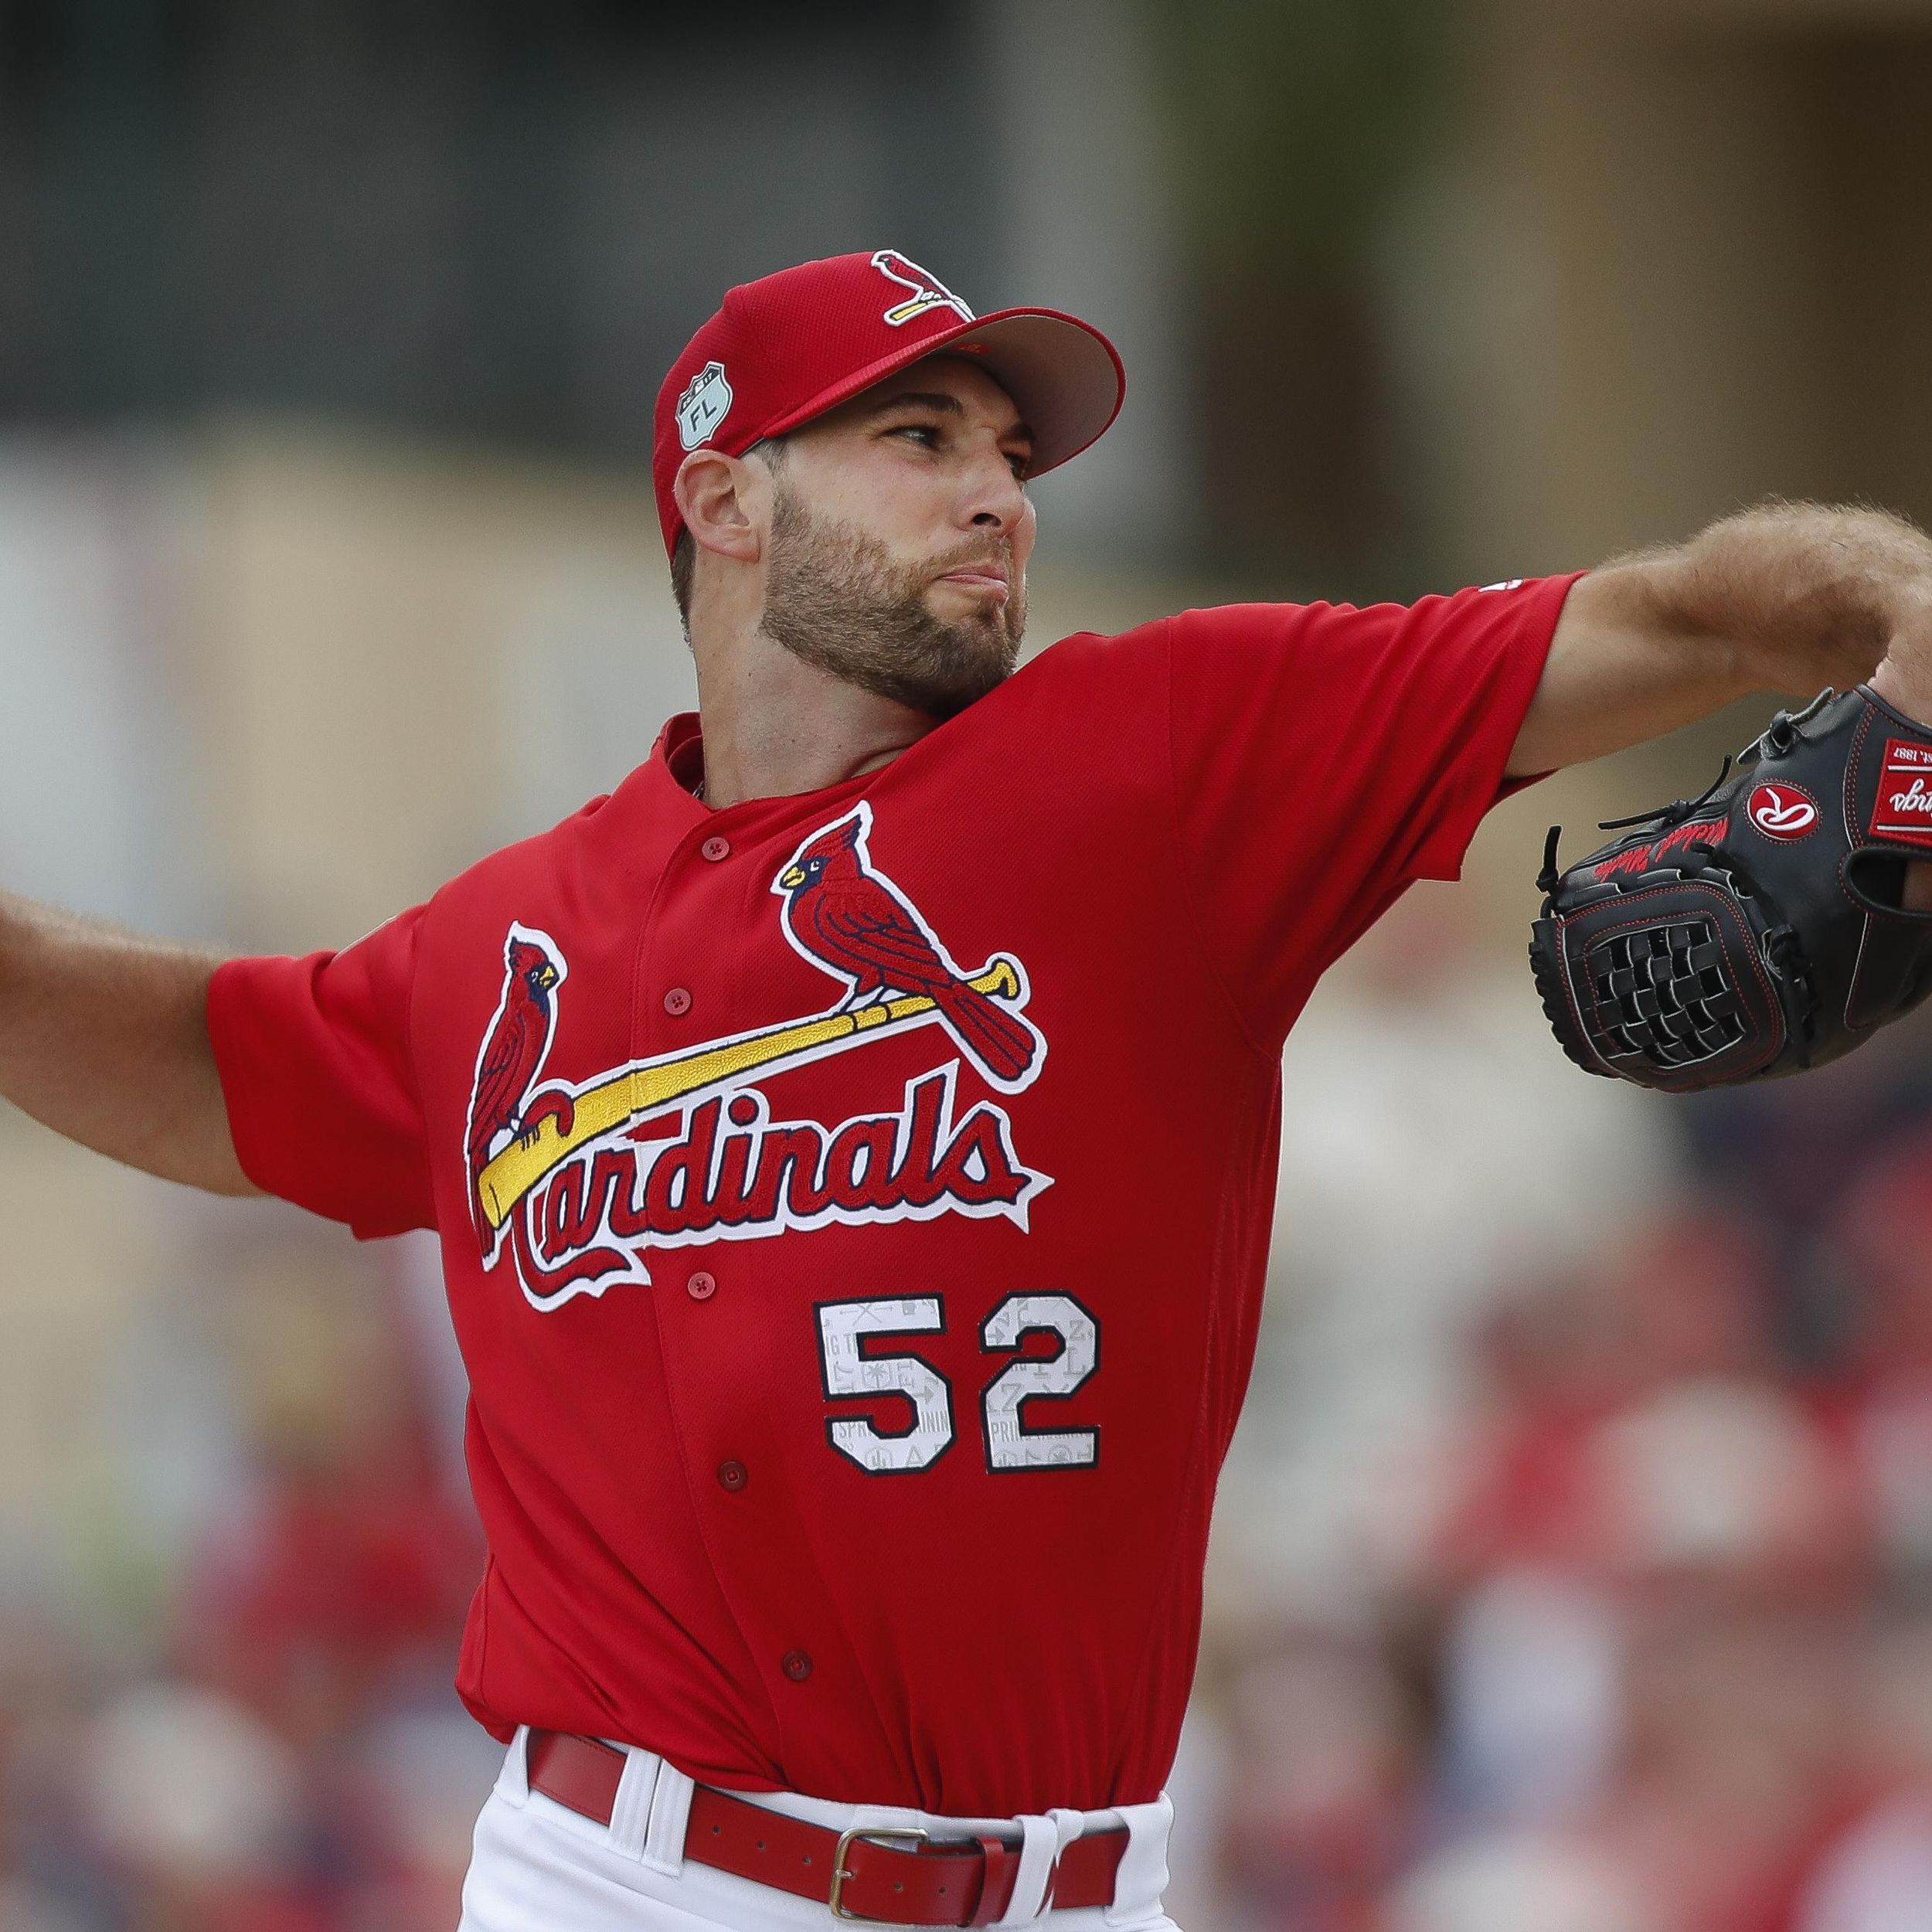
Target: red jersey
x: 855, y: 1206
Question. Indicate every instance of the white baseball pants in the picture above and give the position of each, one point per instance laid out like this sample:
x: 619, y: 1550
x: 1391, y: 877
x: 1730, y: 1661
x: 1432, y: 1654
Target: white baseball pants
x: 538, y: 1866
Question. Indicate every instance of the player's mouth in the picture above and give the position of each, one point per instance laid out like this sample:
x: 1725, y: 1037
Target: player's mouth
x: 989, y: 579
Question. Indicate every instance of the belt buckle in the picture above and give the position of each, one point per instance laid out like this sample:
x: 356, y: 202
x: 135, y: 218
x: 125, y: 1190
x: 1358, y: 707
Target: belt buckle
x: 839, y: 1874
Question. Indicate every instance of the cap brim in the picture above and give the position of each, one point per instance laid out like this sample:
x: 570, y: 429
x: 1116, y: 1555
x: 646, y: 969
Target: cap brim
x: 1065, y: 377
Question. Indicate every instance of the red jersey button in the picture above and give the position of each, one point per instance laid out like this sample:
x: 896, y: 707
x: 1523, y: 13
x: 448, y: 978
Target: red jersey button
x: 796, y: 1665
x: 733, y: 1476
x: 701, y: 1286
x: 715, y: 848
x: 677, y: 1001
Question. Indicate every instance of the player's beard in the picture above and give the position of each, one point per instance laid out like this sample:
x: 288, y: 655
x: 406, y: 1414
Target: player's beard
x: 835, y: 598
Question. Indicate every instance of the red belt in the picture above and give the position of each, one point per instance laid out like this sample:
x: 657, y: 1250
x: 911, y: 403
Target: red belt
x: 964, y: 1882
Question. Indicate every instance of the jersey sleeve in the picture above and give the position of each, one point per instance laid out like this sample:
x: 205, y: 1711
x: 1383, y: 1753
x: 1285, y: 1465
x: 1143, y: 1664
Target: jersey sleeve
x: 317, y: 1068
x: 1325, y: 757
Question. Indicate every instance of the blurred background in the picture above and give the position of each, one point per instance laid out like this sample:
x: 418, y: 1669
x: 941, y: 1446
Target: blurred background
x: 1574, y: 1571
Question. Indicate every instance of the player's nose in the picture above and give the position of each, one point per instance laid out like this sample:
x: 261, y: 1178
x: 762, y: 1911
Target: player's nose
x: 991, y: 497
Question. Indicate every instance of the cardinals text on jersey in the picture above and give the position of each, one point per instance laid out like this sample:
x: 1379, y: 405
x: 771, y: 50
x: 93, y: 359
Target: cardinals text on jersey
x: 575, y: 1183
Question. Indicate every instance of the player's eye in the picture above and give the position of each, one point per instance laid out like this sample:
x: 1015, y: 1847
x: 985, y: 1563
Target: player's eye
x: 928, y: 433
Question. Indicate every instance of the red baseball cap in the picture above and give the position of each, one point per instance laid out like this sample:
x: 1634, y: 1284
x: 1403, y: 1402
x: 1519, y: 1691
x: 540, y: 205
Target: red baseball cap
x: 791, y: 346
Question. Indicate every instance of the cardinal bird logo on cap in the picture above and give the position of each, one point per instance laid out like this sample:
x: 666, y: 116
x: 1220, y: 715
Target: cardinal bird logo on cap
x: 928, y: 291
x: 851, y: 919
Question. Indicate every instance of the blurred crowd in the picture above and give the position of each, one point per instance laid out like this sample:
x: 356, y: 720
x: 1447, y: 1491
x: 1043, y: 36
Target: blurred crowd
x: 279, y: 1748
x: 1644, y: 1641
x: 1575, y: 1572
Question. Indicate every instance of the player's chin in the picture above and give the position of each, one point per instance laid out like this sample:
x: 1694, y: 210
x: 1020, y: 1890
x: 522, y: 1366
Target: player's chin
x: 985, y: 652
x: 978, y: 621
x: 959, y: 667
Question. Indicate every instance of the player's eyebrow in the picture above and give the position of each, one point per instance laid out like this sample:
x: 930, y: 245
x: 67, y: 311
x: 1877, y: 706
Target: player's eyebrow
x: 945, y: 405
x: 920, y: 398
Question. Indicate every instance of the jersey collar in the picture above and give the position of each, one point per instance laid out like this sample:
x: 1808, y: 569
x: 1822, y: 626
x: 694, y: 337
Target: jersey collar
x: 680, y: 751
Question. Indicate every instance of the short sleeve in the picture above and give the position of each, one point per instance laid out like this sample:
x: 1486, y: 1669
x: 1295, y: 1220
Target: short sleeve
x: 317, y: 1068
x: 1325, y: 757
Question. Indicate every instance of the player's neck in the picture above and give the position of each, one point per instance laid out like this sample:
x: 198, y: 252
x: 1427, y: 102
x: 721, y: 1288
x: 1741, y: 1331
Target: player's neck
x: 775, y: 726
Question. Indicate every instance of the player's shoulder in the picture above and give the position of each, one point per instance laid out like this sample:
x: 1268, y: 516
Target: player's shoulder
x: 1196, y: 640
x: 1324, y: 628
x: 1276, y: 620
x: 1086, y: 653
x: 1107, y: 674
x: 1109, y: 669
x: 1081, y: 653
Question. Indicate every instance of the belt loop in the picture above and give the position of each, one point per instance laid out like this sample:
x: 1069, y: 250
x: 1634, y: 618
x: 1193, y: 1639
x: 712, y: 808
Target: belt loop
x: 630, y: 1809
x: 1141, y: 1877
x: 1042, y: 1839
x: 513, y: 1781
x: 1071, y: 1825
x: 670, y: 1814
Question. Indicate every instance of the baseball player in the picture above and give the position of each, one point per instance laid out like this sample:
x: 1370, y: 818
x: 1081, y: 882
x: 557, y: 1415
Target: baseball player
x: 853, y: 1142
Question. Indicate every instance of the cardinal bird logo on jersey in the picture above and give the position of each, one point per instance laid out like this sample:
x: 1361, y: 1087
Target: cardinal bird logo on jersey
x: 577, y: 1184
x: 855, y: 922
x: 514, y: 1050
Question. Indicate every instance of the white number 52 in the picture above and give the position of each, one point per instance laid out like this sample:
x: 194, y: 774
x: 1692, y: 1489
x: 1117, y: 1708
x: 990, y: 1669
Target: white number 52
x: 849, y: 1368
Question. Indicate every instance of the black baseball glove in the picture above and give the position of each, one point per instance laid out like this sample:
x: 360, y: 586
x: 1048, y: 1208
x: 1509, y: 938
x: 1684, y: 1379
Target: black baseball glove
x: 1756, y: 930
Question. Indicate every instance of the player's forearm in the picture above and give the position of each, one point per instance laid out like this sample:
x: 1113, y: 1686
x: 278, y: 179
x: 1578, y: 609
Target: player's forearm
x: 1801, y: 595
x: 1788, y: 597
x: 103, y: 1037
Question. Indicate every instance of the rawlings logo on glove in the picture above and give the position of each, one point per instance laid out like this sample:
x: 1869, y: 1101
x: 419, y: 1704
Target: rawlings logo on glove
x: 1758, y: 930
x: 1783, y: 811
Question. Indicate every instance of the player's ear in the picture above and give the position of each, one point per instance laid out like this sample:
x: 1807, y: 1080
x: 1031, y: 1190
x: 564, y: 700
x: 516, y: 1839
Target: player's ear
x: 718, y: 496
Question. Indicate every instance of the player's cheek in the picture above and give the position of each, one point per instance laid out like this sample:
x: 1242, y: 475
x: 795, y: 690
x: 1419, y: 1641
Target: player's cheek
x: 1025, y: 530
